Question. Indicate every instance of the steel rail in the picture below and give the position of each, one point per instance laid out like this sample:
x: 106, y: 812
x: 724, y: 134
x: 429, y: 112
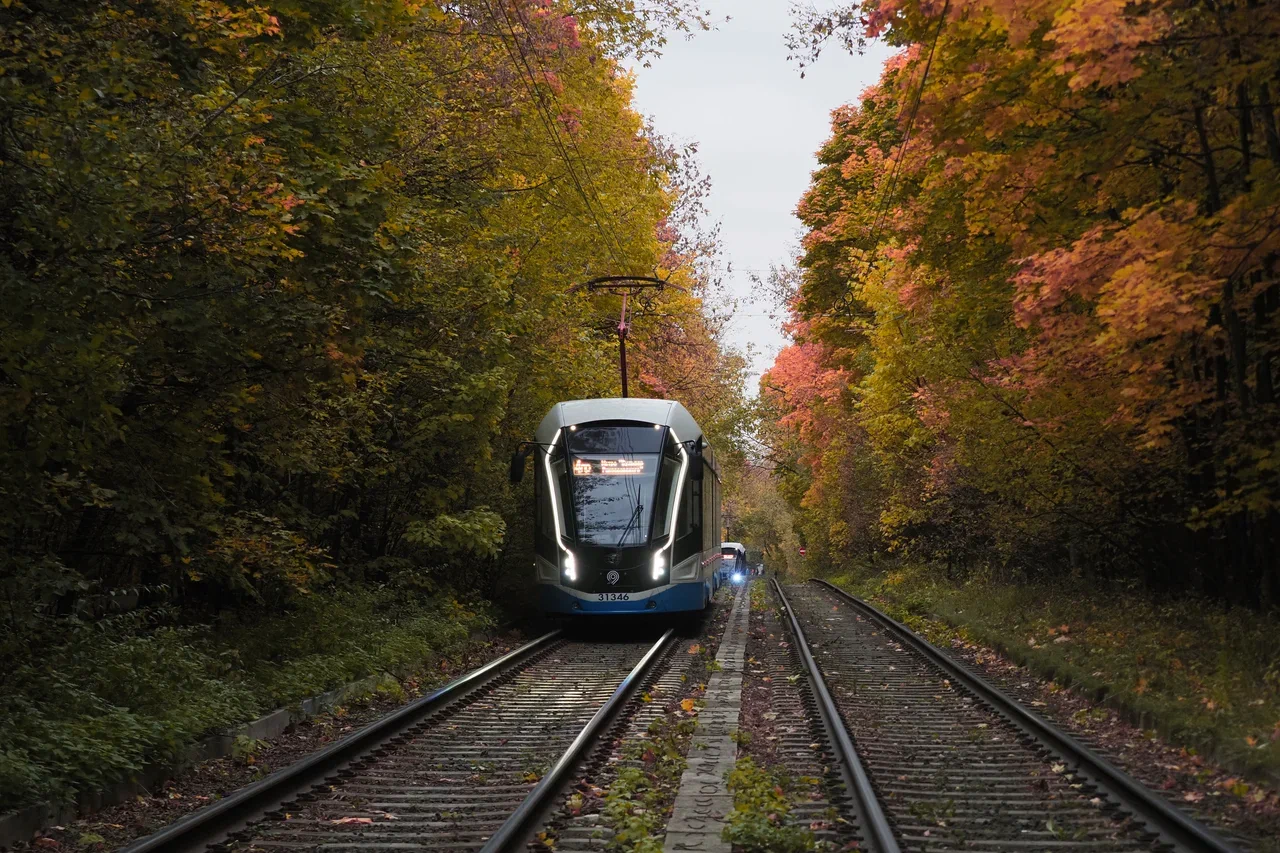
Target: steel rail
x: 512, y: 833
x: 872, y: 817
x: 1172, y: 826
x: 214, y: 822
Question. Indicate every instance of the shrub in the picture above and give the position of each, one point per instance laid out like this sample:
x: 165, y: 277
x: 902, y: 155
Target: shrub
x: 118, y: 694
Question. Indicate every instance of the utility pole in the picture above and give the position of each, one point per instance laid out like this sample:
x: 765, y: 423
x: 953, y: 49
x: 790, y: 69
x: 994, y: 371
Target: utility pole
x: 627, y: 285
x: 622, y: 341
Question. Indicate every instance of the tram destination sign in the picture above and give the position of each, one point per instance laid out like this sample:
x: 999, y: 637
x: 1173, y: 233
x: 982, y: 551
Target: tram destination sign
x: 609, y: 467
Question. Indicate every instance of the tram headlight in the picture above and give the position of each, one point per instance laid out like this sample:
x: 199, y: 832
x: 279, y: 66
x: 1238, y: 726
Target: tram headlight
x: 570, y: 566
x: 737, y: 577
x: 659, y: 565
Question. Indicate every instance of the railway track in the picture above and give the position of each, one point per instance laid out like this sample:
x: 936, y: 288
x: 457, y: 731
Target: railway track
x: 472, y: 766
x: 585, y: 830
x: 939, y: 760
x: 799, y: 740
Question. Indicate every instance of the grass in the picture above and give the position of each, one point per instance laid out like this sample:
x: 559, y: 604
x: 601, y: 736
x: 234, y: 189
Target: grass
x: 116, y: 695
x: 1205, y: 676
x: 761, y: 808
x: 637, y: 803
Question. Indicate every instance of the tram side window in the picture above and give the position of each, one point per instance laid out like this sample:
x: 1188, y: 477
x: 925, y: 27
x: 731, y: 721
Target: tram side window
x: 719, y: 513
x: 546, y: 517
x: 710, y: 505
x: 561, y: 474
x: 714, y: 529
x: 666, y: 493
x: 691, y: 513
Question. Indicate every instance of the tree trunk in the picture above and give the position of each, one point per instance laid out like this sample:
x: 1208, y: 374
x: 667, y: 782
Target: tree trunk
x: 1213, y: 194
x: 1246, y: 130
x: 1267, y: 115
x: 1237, y: 354
x: 1262, y: 368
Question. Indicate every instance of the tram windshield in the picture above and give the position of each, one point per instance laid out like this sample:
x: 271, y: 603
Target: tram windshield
x: 615, y: 482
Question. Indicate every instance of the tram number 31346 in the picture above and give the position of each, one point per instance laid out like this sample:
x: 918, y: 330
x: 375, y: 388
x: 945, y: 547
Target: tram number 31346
x: 614, y: 596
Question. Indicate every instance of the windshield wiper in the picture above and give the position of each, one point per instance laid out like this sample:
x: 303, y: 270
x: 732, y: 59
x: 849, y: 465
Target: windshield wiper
x: 635, y: 515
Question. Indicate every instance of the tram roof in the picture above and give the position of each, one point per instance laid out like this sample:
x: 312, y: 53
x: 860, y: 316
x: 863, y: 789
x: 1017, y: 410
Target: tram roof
x: 665, y: 412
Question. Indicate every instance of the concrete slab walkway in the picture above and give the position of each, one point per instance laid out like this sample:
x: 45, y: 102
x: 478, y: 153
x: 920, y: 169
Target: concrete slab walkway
x: 704, y: 799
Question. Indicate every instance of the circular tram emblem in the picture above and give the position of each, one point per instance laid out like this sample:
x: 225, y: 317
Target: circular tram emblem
x: 613, y: 578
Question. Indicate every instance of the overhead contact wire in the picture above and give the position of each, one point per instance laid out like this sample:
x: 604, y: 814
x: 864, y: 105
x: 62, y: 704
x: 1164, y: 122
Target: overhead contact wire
x: 523, y: 68
x: 886, y: 197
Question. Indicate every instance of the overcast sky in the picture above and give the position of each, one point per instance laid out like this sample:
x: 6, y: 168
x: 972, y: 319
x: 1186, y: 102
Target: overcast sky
x: 758, y: 126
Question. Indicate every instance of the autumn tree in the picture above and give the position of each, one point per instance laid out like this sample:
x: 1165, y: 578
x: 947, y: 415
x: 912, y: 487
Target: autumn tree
x: 1049, y: 236
x: 285, y: 282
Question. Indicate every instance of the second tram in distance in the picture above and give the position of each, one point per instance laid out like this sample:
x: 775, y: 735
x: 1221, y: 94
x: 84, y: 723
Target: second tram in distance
x: 627, y: 508
x: 733, y: 562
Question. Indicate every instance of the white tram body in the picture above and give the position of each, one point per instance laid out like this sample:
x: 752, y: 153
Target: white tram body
x: 627, y: 518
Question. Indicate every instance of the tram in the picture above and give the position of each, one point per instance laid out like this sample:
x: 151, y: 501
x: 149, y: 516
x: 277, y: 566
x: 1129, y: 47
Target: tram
x: 733, y: 561
x: 627, y: 508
